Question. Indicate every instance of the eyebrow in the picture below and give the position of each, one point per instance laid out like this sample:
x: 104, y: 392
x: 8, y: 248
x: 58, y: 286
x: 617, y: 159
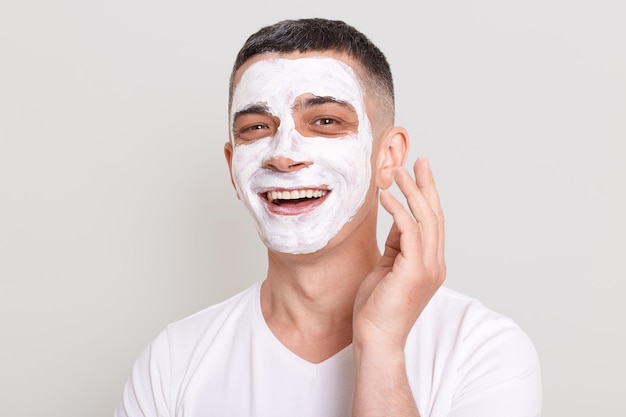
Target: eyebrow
x: 255, y: 108
x: 320, y: 100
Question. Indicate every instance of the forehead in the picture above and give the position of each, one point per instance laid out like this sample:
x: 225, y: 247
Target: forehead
x: 339, y: 56
x: 273, y: 77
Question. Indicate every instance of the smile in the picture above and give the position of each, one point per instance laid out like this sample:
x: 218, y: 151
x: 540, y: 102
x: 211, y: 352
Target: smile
x: 294, y: 202
x: 277, y: 197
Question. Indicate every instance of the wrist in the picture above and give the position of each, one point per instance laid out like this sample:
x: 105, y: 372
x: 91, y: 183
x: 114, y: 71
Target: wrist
x: 379, y: 360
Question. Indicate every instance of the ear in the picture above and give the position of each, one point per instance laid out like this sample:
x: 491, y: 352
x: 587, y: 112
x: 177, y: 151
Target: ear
x: 392, y: 153
x: 228, y: 153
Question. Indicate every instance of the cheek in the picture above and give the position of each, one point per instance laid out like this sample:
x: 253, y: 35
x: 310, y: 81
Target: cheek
x: 246, y: 160
x: 355, y: 167
x: 348, y: 157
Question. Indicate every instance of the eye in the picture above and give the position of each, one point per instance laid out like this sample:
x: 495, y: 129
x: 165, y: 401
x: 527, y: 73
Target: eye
x: 325, y: 121
x: 251, y: 127
x: 330, y: 126
x: 252, y: 132
x: 325, y: 117
x: 254, y: 127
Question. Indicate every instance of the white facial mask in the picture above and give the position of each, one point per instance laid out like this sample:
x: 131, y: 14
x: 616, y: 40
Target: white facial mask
x: 341, y: 165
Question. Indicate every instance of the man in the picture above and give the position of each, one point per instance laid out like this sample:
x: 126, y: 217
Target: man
x: 335, y: 328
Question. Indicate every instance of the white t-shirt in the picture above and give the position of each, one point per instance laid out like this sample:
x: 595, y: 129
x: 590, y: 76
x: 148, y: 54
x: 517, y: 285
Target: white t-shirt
x: 462, y: 359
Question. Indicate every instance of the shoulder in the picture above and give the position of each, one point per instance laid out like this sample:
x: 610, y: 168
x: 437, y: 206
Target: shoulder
x: 216, y: 315
x: 183, y: 342
x: 180, y: 338
x: 465, y: 312
x: 487, y: 354
x: 473, y: 326
x: 177, y: 350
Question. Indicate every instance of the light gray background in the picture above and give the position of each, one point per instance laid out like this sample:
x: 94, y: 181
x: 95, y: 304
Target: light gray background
x: 117, y: 215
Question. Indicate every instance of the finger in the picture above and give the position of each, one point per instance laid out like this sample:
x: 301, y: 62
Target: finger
x: 423, y: 213
x: 409, y: 242
x: 426, y: 183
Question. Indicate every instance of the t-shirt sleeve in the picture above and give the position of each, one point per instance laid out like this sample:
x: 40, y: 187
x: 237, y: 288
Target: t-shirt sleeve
x: 146, y: 393
x: 499, y: 375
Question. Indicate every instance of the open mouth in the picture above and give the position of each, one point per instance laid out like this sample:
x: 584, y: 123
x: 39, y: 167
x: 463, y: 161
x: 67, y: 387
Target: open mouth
x: 294, y: 202
x: 294, y: 196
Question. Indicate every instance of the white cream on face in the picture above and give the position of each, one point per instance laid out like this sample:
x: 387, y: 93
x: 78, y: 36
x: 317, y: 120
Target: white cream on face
x: 341, y: 165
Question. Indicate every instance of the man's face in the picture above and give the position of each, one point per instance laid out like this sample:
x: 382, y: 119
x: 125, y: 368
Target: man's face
x: 302, y: 143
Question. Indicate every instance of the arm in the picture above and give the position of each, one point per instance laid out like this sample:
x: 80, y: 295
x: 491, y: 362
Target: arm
x: 392, y: 297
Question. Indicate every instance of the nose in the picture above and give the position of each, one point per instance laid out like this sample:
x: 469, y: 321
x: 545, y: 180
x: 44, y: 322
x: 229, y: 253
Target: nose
x: 284, y: 154
x: 284, y: 164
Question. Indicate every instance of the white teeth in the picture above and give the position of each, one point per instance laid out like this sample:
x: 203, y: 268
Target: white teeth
x: 295, y: 194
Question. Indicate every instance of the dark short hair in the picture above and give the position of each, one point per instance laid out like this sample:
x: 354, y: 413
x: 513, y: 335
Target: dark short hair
x: 317, y: 34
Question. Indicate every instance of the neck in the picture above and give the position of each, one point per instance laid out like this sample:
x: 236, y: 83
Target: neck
x: 307, y: 300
